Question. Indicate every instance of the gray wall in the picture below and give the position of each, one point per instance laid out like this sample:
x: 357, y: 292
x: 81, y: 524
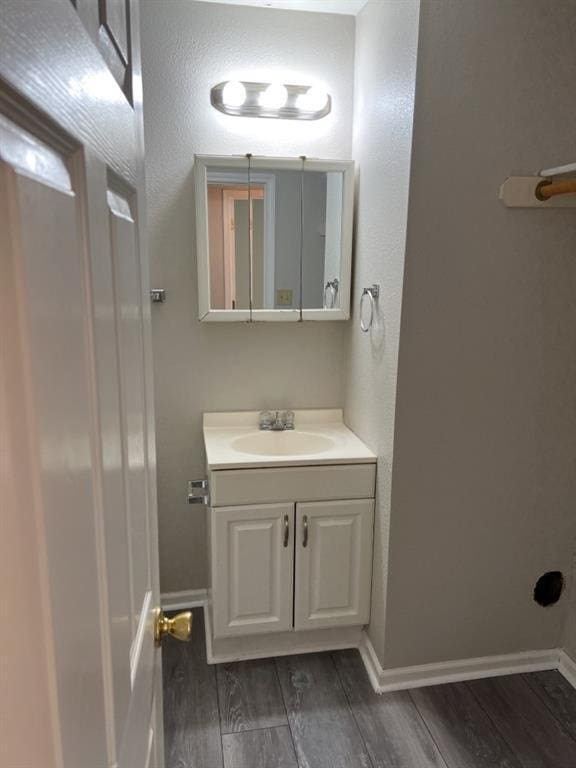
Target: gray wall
x: 187, y: 48
x: 569, y: 642
x: 484, y: 483
x: 386, y: 46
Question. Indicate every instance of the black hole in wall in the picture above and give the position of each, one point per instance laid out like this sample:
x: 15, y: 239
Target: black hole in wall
x: 549, y: 588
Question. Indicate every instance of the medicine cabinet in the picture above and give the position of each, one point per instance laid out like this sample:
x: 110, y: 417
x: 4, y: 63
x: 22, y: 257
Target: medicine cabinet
x: 274, y: 238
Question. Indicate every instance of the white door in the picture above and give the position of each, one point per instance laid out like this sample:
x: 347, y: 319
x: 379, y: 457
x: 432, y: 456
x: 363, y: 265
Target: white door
x: 333, y: 563
x: 81, y: 683
x: 252, y: 569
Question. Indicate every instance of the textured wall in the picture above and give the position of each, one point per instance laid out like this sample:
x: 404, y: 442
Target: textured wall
x: 386, y: 43
x: 187, y: 48
x: 484, y: 475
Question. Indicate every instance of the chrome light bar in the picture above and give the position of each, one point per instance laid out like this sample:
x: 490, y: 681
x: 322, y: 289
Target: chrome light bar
x: 271, y: 100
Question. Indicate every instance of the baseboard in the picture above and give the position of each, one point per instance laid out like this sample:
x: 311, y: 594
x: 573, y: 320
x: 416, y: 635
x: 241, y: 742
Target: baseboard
x: 567, y: 667
x: 404, y: 678
x: 187, y: 598
x: 263, y: 646
x: 371, y: 661
x: 388, y: 680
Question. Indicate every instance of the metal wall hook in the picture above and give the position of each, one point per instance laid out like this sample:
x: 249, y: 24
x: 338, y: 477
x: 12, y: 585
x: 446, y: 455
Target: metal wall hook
x: 158, y: 295
x: 373, y: 292
x: 332, y: 286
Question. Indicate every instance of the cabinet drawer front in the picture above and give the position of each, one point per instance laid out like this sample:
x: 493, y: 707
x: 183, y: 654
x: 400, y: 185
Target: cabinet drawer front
x: 333, y: 563
x: 284, y: 484
x: 252, y: 555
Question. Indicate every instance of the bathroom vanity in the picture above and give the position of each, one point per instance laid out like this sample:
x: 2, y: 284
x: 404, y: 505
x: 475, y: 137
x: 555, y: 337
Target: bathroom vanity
x: 290, y: 527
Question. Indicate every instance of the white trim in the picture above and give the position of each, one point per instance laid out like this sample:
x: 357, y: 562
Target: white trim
x: 225, y: 315
x: 388, y: 680
x: 187, y: 598
x: 337, y: 313
x: 404, y: 678
x: 346, y: 7
x: 148, y: 762
x: 229, y: 649
x: 270, y: 239
x: 371, y: 661
x: 275, y: 315
x: 138, y: 642
x: 558, y: 170
x: 567, y: 668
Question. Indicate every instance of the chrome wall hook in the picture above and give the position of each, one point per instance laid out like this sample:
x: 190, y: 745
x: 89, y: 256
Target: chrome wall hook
x: 158, y: 295
x: 330, y: 293
x: 373, y: 293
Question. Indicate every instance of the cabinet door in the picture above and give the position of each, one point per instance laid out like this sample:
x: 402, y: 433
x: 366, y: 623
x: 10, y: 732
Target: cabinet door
x: 252, y: 569
x: 333, y: 563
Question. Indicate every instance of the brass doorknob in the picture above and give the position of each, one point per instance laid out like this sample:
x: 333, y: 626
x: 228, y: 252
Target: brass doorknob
x: 180, y: 626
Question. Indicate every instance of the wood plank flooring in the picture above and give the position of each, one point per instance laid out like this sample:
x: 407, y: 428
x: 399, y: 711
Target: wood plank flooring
x: 319, y: 711
x: 191, y: 717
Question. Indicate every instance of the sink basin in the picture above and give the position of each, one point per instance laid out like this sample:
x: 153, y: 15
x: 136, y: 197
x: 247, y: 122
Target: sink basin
x: 233, y: 441
x: 283, y: 443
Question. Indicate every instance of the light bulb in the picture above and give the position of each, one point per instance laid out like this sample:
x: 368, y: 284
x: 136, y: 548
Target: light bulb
x: 274, y: 97
x: 234, y: 94
x: 314, y: 100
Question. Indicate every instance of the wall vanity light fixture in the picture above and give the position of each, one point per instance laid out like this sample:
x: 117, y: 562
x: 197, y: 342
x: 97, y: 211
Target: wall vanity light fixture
x: 276, y: 100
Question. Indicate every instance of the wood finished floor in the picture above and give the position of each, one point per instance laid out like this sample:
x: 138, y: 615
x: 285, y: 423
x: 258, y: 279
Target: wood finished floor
x: 319, y: 711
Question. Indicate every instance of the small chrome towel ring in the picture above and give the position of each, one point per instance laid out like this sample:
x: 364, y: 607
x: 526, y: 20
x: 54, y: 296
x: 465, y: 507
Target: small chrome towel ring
x: 373, y: 293
x: 332, y: 286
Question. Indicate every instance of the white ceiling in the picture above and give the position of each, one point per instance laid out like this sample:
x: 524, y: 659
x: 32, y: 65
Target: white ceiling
x: 349, y: 7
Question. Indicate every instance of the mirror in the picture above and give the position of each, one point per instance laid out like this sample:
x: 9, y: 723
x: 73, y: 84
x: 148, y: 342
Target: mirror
x: 273, y: 238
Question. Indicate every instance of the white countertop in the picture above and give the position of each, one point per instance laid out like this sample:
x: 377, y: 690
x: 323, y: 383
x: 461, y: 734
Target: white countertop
x: 229, y: 440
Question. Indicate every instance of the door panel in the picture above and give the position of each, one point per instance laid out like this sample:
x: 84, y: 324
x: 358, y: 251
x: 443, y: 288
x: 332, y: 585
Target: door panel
x: 76, y: 402
x: 40, y: 219
x: 108, y: 24
x: 333, y: 563
x: 128, y: 313
x: 89, y: 13
x: 114, y: 14
x: 111, y: 447
x: 252, y: 569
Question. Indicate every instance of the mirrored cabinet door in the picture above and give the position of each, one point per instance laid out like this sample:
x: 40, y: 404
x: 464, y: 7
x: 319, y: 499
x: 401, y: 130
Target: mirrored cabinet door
x: 322, y: 239
x: 276, y: 244
x: 228, y: 237
x: 273, y: 238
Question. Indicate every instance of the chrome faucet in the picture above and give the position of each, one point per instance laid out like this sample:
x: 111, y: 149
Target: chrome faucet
x: 276, y: 421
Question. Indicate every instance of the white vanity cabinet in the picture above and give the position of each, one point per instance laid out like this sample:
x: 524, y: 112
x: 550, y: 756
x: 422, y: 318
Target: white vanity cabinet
x: 290, y: 521
x: 290, y: 566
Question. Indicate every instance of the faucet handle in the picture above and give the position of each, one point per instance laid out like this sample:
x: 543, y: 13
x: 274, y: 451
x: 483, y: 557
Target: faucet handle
x: 288, y: 417
x: 266, y: 419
